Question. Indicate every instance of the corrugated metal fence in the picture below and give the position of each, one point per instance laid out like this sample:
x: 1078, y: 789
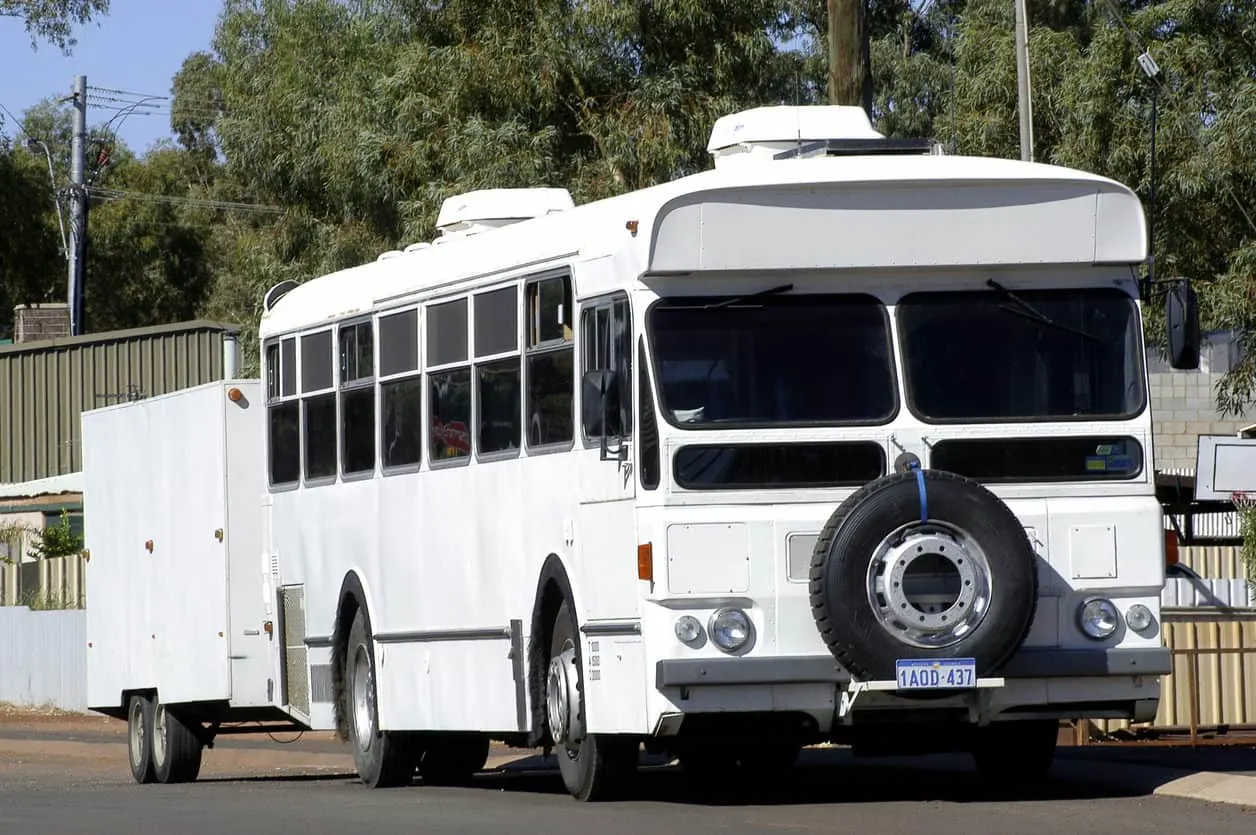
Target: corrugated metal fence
x: 1213, y: 683
x: 53, y: 583
x: 43, y: 658
x: 46, y: 386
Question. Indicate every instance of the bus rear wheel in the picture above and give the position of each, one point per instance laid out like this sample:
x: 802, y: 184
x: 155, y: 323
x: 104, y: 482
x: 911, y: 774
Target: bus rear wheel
x: 593, y: 766
x: 384, y: 759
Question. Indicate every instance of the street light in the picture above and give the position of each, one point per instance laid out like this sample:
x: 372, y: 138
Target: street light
x: 33, y: 144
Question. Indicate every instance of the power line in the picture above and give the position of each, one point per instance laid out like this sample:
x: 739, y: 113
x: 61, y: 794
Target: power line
x: 226, y: 205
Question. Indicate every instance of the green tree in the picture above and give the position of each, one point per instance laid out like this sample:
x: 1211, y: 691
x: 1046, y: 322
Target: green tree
x: 54, y: 20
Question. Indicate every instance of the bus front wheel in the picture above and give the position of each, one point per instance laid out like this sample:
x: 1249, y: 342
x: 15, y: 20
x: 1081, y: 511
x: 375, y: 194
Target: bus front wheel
x: 593, y: 766
x: 383, y: 759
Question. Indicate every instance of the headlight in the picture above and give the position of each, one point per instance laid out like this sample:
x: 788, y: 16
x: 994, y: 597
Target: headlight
x: 1138, y: 617
x: 1098, y: 618
x: 688, y: 630
x: 730, y: 629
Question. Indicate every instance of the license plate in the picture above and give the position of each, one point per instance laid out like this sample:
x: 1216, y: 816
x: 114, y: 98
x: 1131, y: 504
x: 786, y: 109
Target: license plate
x: 935, y: 674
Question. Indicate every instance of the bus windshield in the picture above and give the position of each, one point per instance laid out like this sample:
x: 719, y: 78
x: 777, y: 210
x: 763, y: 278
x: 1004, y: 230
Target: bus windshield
x: 769, y: 360
x: 1038, y: 355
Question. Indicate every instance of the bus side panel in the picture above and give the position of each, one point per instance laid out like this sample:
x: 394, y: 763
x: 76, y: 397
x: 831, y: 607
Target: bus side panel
x: 615, y: 679
x: 447, y: 686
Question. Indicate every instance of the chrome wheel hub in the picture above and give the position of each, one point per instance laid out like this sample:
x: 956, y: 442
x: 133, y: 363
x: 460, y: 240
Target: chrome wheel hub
x: 159, y: 733
x: 137, y: 739
x: 363, y: 699
x: 562, y: 698
x: 929, y: 585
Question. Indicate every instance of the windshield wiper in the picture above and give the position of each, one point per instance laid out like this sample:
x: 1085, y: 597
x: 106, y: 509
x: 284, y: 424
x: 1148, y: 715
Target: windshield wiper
x: 771, y: 291
x: 1027, y: 310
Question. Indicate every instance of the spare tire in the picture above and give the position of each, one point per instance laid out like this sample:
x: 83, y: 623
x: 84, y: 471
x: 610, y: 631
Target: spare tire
x: 923, y: 564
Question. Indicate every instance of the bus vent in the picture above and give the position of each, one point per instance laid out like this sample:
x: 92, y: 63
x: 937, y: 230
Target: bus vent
x: 296, y: 692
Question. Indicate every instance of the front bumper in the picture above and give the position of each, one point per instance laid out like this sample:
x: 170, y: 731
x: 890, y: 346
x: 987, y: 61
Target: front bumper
x: 1028, y: 663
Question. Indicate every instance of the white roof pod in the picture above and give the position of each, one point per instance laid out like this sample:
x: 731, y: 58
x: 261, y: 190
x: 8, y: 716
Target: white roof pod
x: 764, y: 134
x: 479, y: 211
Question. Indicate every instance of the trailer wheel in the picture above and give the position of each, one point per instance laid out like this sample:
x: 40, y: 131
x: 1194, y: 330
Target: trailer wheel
x: 139, y: 721
x: 453, y: 759
x: 384, y: 759
x: 176, y: 749
x: 594, y: 767
x: 922, y: 565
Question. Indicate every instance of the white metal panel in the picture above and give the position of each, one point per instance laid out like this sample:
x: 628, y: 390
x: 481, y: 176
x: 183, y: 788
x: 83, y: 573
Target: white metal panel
x: 154, y: 471
x: 617, y: 683
x: 855, y: 226
x: 447, y: 685
x: 43, y: 658
x: 251, y: 649
x: 1225, y: 465
x: 1136, y: 534
x: 708, y: 559
x: 1092, y: 552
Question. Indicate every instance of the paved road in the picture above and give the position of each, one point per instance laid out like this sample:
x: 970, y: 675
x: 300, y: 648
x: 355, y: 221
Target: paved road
x: 830, y: 794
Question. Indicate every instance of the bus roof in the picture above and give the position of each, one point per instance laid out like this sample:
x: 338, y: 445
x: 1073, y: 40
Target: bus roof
x: 821, y: 212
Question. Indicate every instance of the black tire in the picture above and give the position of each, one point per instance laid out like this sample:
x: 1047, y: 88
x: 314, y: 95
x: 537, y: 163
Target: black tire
x: 139, y: 739
x: 599, y: 766
x: 384, y: 759
x: 845, y: 549
x: 453, y: 759
x: 177, y: 750
x: 1016, y: 753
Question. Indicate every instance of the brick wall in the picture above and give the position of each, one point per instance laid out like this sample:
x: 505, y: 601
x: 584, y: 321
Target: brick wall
x: 1183, y: 408
x: 32, y: 323
x: 1184, y: 404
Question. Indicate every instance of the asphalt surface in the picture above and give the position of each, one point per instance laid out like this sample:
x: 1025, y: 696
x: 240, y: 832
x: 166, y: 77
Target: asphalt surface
x: 830, y: 793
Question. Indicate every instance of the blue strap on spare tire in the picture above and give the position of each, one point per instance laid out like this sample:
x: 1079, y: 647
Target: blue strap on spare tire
x: 920, y: 487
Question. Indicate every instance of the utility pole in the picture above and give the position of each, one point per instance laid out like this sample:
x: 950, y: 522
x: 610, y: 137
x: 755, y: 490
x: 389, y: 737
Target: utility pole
x: 78, y: 207
x: 1023, y: 100
x: 850, y: 64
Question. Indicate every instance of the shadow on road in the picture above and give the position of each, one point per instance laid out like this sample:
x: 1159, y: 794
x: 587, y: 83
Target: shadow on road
x: 822, y: 778
x: 328, y: 777
x: 824, y: 782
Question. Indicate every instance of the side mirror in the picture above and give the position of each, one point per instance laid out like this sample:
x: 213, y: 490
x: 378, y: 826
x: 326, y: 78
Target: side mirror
x: 1181, y: 314
x: 599, y: 403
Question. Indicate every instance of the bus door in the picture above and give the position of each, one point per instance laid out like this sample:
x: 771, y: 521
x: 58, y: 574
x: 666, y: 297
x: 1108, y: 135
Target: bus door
x: 606, y: 539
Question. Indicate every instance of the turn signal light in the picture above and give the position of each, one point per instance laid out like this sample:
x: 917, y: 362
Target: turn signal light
x: 1170, y: 548
x: 645, y: 562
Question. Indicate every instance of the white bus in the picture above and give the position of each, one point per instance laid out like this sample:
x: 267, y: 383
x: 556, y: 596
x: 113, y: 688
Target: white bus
x: 846, y: 440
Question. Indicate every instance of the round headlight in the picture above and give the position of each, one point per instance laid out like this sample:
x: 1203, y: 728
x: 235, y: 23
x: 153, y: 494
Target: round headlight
x: 1098, y: 618
x: 730, y: 629
x: 1138, y: 617
x: 688, y: 630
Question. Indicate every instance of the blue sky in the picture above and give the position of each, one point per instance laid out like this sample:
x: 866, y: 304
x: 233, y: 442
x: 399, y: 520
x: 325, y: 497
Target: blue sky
x: 137, y: 47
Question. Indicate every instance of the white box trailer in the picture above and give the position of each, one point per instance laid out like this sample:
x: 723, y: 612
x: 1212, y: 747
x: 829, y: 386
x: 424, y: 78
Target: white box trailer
x: 179, y: 615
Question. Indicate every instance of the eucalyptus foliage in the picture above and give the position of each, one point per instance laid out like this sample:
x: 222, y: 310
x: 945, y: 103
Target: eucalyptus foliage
x: 358, y: 117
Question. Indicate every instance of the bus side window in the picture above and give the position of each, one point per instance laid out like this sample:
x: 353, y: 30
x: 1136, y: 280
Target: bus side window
x: 283, y: 411
x: 318, y: 406
x: 606, y: 340
x: 550, y: 365
x: 400, y: 391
